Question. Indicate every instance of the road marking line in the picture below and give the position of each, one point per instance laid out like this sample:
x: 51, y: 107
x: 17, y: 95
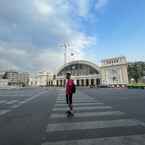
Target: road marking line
x: 75, y: 101
x: 92, y: 125
x: 89, y: 114
x: 11, y: 102
x: 63, y: 94
x: 35, y: 96
x: 3, y: 112
x: 79, y: 100
x: 83, y: 108
x: 3, y: 101
x: 76, y: 97
x: 15, y: 106
x: 22, y: 102
x: 121, y: 140
x: 62, y: 98
x: 78, y: 104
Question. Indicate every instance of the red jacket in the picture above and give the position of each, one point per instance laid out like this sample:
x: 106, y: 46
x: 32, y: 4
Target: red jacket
x: 69, y: 87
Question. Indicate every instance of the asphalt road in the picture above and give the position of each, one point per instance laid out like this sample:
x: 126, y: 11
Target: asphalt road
x: 130, y: 101
x: 102, y: 117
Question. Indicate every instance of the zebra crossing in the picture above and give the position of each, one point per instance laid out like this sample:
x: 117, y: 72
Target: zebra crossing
x: 94, y: 123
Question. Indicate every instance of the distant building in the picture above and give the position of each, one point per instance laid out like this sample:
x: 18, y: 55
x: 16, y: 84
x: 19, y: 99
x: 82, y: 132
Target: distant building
x: 114, y: 71
x: 15, y: 78
x: 33, y: 81
x: 45, y: 78
x: 2, y: 74
x: 12, y: 77
x: 4, y: 83
x: 23, y: 79
x: 42, y: 79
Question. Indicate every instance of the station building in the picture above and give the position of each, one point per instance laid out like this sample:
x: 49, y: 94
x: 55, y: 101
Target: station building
x: 83, y: 72
x: 112, y: 72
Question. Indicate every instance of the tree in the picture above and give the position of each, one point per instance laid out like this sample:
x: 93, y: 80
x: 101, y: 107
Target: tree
x: 136, y: 70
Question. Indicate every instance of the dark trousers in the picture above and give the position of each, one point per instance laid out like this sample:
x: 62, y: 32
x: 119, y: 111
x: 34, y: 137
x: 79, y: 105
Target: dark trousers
x: 69, y: 99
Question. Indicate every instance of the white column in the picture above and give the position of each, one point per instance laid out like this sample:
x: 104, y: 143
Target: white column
x: 95, y: 82
x: 85, y: 83
x: 80, y: 82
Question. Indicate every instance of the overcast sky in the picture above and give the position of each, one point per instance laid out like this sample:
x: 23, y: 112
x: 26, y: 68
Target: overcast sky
x: 32, y: 32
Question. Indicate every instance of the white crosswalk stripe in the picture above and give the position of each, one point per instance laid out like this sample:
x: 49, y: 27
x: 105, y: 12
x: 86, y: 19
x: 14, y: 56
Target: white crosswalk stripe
x: 63, y: 98
x: 78, y: 101
x: 92, y: 125
x: 89, y: 114
x: 85, y: 107
x: 122, y: 140
x: 79, y: 104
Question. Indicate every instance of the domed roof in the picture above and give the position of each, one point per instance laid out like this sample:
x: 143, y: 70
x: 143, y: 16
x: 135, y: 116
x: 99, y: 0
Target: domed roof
x: 82, y: 62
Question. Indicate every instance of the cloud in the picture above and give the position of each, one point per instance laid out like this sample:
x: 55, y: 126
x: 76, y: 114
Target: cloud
x: 25, y: 60
x: 78, y: 46
x: 32, y: 32
x: 43, y: 7
x: 7, y: 65
x: 48, y: 60
x: 83, y: 7
x: 101, y: 4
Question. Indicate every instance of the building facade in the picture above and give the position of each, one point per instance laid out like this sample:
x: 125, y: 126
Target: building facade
x: 2, y: 74
x: 83, y: 72
x: 12, y: 77
x: 111, y: 72
x: 45, y: 78
x: 42, y: 79
x: 23, y: 79
x: 4, y: 83
x: 114, y: 71
x: 15, y: 78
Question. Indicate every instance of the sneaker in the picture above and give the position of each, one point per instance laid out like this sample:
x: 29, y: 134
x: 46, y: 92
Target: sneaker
x: 71, y: 113
x: 67, y: 112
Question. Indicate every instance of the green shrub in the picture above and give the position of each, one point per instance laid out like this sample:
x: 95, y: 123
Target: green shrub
x: 136, y: 86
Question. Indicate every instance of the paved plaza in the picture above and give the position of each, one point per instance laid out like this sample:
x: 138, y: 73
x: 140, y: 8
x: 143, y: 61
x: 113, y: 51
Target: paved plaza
x: 36, y: 116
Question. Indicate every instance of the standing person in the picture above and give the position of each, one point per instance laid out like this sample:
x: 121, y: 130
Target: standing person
x: 70, y: 89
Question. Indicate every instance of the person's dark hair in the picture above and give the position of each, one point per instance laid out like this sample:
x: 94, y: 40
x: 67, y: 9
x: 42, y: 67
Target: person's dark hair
x: 68, y: 75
